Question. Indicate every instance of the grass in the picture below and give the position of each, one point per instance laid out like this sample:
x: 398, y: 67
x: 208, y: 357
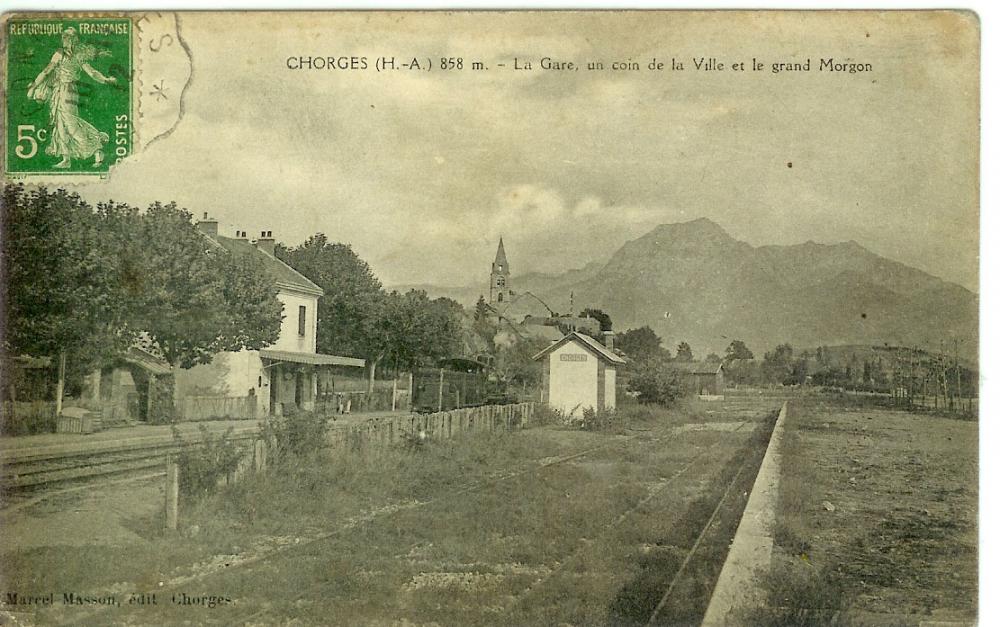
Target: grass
x: 542, y: 547
x: 876, y: 517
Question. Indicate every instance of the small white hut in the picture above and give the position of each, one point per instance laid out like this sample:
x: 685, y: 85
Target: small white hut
x: 578, y: 372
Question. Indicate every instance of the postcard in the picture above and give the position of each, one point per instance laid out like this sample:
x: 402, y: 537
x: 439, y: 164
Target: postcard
x: 490, y: 318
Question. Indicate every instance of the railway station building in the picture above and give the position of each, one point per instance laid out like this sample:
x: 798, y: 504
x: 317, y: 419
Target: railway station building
x: 578, y: 372
x: 287, y: 375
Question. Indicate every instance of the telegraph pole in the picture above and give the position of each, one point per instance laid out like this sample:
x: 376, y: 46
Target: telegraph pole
x: 958, y: 378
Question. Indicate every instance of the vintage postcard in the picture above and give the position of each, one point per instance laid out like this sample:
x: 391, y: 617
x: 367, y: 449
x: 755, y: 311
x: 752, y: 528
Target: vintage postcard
x: 490, y: 318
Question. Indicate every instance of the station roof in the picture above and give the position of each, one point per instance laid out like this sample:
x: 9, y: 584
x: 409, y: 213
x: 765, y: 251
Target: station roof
x: 589, y: 343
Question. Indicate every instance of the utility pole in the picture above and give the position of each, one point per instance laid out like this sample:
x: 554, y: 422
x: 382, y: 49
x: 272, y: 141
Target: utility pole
x: 958, y: 378
x: 947, y: 398
x: 61, y: 383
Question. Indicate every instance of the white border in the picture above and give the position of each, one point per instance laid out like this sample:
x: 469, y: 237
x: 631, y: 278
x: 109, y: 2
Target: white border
x: 989, y: 174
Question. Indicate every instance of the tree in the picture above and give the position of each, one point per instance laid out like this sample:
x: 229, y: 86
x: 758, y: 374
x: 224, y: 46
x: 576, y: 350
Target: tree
x: 737, y: 349
x: 195, y: 298
x: 410, y: 329
x: 514, y: 363
x: 684, y: 352
x: 62, y: 288
x: 352, y: 296
x: 654, y: 381
x: 482, y: 310
x: 64, y: 294
x: 483, y: 324
x: 598, y: 315
x: 712, y: 358
x: 640, y: 344
x: 354, y: 312
x: 90, y: 282
x: 800, y: 372
x: 357, y: 317
x: 777, y: 364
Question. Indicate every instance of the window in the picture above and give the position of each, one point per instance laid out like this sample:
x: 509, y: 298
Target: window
x: 302, y: 319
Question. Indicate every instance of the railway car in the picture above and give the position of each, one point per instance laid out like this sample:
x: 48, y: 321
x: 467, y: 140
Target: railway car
x: 456, y: 382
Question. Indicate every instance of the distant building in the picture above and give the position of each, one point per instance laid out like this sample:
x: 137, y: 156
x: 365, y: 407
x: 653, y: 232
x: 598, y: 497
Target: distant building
x: 701, y: 377
x: 282, y: 376
x: 570, y: 323
x: 578, y: 372
x: 500, y: 288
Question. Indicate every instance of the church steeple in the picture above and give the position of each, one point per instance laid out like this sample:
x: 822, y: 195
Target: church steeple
x: 500, y: 263
x: 500, y: 276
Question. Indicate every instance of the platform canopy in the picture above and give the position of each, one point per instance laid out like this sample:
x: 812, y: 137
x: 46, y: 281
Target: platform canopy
x: 311, y: 359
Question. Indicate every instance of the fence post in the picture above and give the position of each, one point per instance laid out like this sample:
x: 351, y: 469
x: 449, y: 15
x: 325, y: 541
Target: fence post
x: 394, y: 394
x: 172, y: 492
x: 441, y: 390
x: 410, y: 393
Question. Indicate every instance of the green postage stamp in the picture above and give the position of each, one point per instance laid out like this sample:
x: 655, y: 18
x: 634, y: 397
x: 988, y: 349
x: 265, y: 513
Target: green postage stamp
x: 69, y: 98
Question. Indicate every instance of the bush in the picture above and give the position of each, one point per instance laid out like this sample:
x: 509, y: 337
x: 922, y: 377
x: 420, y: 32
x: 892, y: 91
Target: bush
x: 204, y: 466
x: 295, y: 435
x: 547, y: 415
x: 654, y: 381
x: 603, y: 420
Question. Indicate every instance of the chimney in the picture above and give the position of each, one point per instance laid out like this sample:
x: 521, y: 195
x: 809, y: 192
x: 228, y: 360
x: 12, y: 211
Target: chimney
x: 241, y: 234
x: 208, y: 226
x: 266, y: 242
x: 609, y: 340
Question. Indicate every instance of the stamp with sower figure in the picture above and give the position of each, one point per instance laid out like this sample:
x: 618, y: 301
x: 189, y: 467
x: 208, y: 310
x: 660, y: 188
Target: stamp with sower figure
x: 69, y: 98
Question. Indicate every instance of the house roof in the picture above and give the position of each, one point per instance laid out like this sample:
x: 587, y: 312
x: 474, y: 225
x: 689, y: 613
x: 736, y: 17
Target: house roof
x: 543, y: 331
x: 312, y: 359
x: 283, y: 274
x: 696, y: 367
x: 587, y: 342
x: 147, y: 360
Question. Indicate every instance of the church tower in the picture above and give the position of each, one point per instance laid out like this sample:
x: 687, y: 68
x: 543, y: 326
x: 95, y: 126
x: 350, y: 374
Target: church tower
x: 500, y: 277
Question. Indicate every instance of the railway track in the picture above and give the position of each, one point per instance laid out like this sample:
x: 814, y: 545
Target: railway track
x: 30, y: 476
x: 261, y: 615
x: 258, y: 615
x: 309, y: 545
x: 34, y: 474
x: 747, y: 466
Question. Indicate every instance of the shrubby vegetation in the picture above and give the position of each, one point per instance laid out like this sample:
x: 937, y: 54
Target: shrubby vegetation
x: 294, y: 436
x: 654, y: 381
x: 205, y: 466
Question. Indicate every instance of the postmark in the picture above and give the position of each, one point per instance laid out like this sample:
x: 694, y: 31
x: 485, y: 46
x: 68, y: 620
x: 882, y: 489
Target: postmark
x: 70, y: 105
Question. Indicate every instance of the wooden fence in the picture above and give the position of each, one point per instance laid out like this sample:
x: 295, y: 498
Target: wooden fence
x: 27, y: 417
x: 390, y: 430
x: 206, y: 407
x: 375, y: 433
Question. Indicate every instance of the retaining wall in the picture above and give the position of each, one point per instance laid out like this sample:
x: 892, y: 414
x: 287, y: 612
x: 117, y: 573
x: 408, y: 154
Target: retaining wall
x: 750, y: 551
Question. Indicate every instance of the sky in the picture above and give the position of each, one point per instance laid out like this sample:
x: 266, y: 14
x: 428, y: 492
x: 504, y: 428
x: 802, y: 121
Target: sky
x: 422, y: 172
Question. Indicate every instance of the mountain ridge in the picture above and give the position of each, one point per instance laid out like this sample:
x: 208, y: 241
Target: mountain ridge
x: 692, y: 281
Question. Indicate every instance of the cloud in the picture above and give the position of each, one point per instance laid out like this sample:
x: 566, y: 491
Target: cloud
x: 423, y: 171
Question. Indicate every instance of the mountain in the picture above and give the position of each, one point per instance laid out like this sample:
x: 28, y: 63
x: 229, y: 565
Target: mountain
x: 693, y: 282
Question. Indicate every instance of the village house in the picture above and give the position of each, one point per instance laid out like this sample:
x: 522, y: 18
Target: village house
x: 288, y: 374
x: 702, y: 378
x: 578, y: 373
